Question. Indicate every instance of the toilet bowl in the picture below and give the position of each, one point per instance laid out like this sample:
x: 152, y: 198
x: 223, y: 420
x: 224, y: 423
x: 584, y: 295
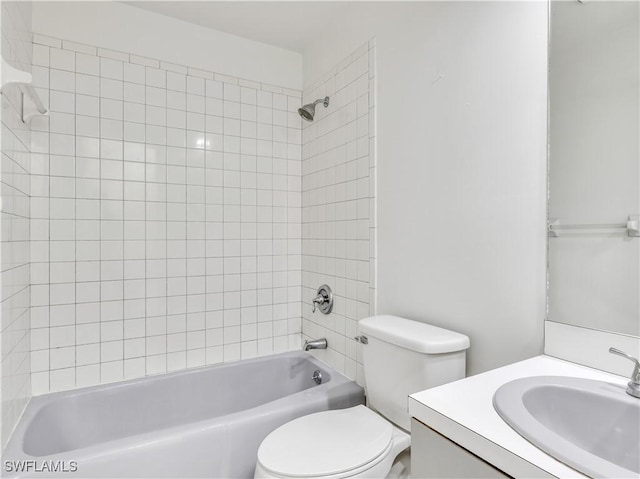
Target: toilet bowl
x: 353, y: 442
x: 400, y: 357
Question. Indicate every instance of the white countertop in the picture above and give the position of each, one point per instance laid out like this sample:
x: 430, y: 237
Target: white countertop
x: 463, y: 411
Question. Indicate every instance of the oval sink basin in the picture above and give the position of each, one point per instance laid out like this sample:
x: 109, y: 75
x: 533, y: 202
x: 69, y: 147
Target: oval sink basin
x: 592, y: 426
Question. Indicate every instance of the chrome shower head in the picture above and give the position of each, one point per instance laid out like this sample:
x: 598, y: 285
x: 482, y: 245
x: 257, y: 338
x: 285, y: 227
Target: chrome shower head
x: 308, y: 111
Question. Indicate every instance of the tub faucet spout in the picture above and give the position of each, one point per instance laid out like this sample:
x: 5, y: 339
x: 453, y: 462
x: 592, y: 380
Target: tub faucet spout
x: 315, y: 344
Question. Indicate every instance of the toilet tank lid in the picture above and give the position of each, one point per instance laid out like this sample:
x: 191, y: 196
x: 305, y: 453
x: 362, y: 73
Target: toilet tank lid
x: 413, y: 335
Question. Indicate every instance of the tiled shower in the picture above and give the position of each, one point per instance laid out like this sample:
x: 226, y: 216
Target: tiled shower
x: 15, y: 383
x: 166, y: 218
x: 175, y: 217
x: 338, y: 213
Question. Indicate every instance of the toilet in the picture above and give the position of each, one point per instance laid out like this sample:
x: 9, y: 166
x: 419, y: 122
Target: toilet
x: 400, y: 357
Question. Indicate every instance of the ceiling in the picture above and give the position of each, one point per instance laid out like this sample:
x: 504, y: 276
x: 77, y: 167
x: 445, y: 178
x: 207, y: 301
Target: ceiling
x: 289, y: 25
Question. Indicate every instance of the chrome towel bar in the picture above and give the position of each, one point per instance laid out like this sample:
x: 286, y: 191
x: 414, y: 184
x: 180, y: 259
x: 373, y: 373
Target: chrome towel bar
x: 631, y: 228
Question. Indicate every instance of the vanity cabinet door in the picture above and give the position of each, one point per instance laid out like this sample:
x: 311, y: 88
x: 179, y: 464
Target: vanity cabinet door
x: 435, y: 456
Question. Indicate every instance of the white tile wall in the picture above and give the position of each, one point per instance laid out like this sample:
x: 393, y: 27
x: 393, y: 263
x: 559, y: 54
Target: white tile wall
x: 15, y: 387
x: 166, y: 218
x: 338, y: 207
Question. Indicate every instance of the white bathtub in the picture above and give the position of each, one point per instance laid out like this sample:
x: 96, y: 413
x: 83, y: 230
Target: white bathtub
x: 205, y: 422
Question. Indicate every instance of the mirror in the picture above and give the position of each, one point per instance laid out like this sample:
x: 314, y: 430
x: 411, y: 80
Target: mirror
x: 594, y: 165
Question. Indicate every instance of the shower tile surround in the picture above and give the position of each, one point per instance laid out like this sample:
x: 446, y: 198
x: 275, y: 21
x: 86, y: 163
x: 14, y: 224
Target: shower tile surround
x: 166, y: 208
x: 15, y: 386
x: 338, y: 207
x: 182, y: 218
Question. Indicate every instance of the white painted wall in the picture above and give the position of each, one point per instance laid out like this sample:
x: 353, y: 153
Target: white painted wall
x: 461, y: 165
x: 126, y: 28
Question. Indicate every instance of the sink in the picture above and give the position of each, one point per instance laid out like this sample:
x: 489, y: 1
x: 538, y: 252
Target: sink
x: 592, y: 426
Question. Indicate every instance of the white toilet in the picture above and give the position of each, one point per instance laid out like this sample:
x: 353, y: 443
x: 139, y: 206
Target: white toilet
x: 402, y: 357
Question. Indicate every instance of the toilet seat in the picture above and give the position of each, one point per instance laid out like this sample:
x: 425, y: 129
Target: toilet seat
x: 336, y: 443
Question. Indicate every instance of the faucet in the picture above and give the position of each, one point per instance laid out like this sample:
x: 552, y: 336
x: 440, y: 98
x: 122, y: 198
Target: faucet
x: 633, y: 388
x: 315, y: 344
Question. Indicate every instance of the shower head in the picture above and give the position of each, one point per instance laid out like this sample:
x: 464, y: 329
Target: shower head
x: 308, y: 111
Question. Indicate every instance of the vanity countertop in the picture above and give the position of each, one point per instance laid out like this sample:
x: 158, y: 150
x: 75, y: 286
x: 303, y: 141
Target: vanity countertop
x: 463, y: 411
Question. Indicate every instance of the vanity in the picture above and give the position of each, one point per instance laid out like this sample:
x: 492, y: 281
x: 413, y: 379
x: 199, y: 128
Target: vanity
x: 457, y: 433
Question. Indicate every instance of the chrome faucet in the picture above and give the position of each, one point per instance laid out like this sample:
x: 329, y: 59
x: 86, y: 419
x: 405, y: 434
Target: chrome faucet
x: 633, y: 388
x: 315, y: 344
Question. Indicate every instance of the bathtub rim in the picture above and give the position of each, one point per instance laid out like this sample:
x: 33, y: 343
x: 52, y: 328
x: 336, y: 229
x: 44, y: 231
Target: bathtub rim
x: 183, y: 372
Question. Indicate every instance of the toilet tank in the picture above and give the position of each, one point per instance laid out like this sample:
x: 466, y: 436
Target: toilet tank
x: 403, y: 357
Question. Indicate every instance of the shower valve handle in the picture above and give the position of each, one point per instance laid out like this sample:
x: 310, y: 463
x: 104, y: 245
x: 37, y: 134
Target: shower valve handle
x: 324, y: 300
x: 317, y: 300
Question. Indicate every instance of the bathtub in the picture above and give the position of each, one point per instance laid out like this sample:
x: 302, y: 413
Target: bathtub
x: 205, y: 422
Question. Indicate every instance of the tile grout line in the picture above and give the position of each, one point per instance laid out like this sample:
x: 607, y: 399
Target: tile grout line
x: 100, y: 220
x: 190, y: 70
x: 123, y: 233
x: 75, y: 234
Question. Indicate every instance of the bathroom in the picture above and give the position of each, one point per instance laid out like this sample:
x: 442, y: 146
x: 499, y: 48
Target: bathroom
x: 169, y: 217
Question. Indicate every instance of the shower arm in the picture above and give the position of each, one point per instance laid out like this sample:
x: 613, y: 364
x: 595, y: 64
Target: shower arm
x: 324, y: 101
